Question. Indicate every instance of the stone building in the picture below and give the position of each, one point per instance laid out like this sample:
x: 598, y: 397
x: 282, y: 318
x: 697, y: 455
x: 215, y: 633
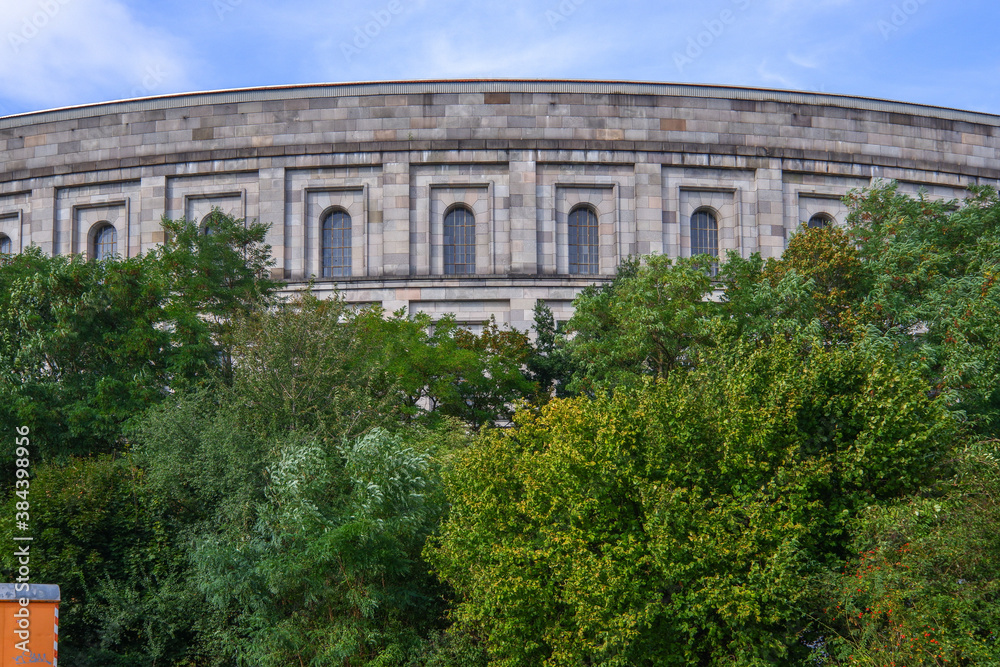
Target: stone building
x: 473, y: 197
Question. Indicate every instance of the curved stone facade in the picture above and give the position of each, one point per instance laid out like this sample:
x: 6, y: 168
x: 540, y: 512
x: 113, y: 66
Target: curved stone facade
x: 384, y: 164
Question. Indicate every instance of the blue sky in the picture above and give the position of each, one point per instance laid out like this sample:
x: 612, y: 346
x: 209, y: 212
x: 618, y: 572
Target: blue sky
x: 66, y: 52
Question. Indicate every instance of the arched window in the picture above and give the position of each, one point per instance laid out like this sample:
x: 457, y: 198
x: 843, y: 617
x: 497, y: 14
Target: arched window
x: 820, y: 220
x: 6, y: 247
x: 584, y: 247
x: 336, y: 244
x: 209, y: 224
x: 459, y: 241
x: 704, y: 234
x: 705, y: 237
x: 105, y: 242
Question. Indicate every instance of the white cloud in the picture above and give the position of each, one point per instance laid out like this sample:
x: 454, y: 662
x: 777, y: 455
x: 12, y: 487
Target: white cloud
x: 59, y: 52
x: 518, y: 39
x: 445, y: 58
x: 91, y: 50
x: 804, y: 9
x: 805, y: 61
x: 771, y: 77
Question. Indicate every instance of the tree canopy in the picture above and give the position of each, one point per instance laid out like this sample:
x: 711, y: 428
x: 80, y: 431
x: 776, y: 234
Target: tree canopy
x: 790, y: 461
x: 85, y: 346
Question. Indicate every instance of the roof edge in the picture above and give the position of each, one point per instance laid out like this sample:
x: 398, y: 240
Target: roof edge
x: 365, y: 88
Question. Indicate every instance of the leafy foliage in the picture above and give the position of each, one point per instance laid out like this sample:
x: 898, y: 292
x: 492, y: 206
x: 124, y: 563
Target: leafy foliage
x: 80, y: 352
x: 85, y: 346
x: 446, y: 370
x: 935, y: 293
x: 922, y: 587
x: 793, y: 462
x: 305, y: 516
x: 547, y: 364
x: 673, y: 524
x: 213, y: 279
x: 330, y: 571
x: 639, y: 325
x: 107, y: 543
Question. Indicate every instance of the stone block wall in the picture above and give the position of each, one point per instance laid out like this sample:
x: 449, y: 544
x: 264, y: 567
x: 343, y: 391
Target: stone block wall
x: 520, y: 155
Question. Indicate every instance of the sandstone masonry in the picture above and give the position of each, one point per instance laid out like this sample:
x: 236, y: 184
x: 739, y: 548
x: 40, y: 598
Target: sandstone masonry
x: 519, y: 156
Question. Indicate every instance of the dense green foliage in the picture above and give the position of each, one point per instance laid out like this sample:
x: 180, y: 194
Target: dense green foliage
x: 86, y: 346
x: 641, y: 324
x: 304, y: 516
x: 737, y: 454
x: 674, y: 524
x: 923, y: 585
x: 103, y: 538
x: 444, y: 369
x: 789, y: 461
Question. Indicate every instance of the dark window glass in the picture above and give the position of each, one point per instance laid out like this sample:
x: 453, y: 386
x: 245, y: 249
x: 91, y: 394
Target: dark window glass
x: 209, y: 222
x: 704, y: 234
x: 337, y: 244
x: 5, y: 245
x: 583, y: 241
x: 459, y: 242
x: 105, y: 242
x: 820, y: 220
x: 705, y: 237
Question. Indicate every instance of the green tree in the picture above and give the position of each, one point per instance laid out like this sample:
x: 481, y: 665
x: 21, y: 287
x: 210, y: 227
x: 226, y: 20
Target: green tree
x: 674, y: 523
x: 303, y: 511
x: 934, y: 292
x: 837, y: 280
x: 908, y: 273
x: 923, y: 584
x: 446, y: 370
x: 494, y: 377
x: 642, y: 324
x: 80, y: 350
x: 214, y: 275
x: 548, y: 366
x: 85, y: 346
x: 100, y: 535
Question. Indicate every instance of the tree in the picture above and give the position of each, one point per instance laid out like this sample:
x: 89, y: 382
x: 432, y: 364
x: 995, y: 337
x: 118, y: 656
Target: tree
x: 838, y: 279
x: 302, y: 504
x: 446, y: 370
x: 673, y: 523
x: 935, y: 293
x: 212, y: 280
x: 313, y: 365
x: 639, y: 325
x: 108, y: 543
x: 547, y: 365
x: 80, y: 350
x: 85, y: 346
x: 922, y: 586
x: 495, y: 377
x: 908, y: 273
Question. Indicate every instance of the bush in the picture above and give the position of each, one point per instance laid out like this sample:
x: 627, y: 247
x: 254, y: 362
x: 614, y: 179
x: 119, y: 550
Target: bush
x: 674, y: 524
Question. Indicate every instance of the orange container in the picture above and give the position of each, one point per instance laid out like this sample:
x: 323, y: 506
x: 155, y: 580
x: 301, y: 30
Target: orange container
x: 29, y: 624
